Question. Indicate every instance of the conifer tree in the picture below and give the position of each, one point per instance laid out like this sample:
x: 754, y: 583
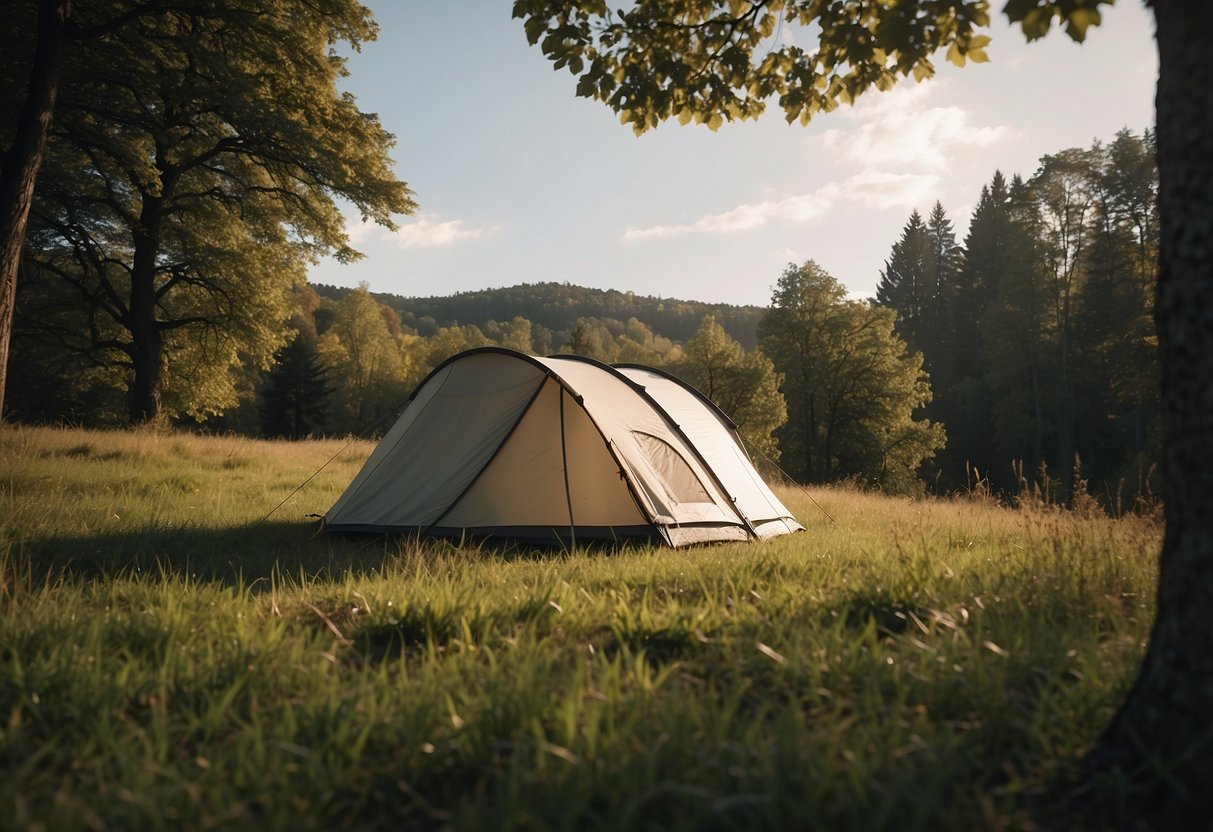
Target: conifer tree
x: 295, y: 398
x: 906, y: 282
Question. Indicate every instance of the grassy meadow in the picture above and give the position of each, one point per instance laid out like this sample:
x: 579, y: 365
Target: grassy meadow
x: 170, y: 660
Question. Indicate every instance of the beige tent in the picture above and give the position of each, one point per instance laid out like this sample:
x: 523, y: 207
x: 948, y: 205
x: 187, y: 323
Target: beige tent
x: 499, y: 444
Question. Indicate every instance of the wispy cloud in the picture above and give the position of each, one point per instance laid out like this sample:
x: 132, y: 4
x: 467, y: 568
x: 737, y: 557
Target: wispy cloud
x: 797, y: 208
x: 900, y: 128
x: 890, y: 190
x: 897, y: 144
x: 424, y: 231
x: 427, y: 231
x: 884, y: 190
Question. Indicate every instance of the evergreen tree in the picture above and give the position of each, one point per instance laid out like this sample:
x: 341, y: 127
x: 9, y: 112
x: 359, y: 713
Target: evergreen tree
x: 906, y: 283
x: 1116, y: 374
x: 1019, y: 336
x: 939, y: 342
x: 1062, y: 198
x: 295, y: 398
x: 981, y: 271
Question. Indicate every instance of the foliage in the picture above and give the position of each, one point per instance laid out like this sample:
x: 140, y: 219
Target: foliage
x: 742, y: 384
x: 295, y: 400
x: 906, y: 284
x: 556, y: 307
x: 850, y: 386
x: 709, y: 61
x: 369, y: 364
x: 190, y: 176
x: 1043, y: 322
x: 164, y: 663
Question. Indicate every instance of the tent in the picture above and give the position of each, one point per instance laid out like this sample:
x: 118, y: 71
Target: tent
x: 498, y: 444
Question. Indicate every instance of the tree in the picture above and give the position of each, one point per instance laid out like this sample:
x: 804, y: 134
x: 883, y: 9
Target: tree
x: 715, y: 62
x: 850, y: 386
x: 904, y: 285
x: 589, y: 337
x: 370, y: 368
x: 1116, y: 372
x: 1062, y: 201
x: 191, y: 174
x: 22, y: 159
x: 742, y: 384
x: 295, y: 400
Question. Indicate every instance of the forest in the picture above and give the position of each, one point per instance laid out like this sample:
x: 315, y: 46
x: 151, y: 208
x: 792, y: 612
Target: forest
x: 1020, y: 355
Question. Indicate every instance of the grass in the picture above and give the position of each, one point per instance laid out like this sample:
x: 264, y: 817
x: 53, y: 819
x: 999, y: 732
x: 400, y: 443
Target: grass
x: 167, y: 661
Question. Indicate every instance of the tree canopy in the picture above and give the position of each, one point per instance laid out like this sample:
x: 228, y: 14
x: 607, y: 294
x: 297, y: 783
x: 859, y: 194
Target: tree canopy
x: 851, y: 387
x: 190, y: 175
x: 711, y: 61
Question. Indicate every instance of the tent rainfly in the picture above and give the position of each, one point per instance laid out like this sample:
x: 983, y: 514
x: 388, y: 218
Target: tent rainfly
x: 498, y: 444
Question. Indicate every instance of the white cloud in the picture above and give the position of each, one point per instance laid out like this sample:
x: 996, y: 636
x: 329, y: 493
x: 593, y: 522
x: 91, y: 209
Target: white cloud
x: 900, y: 128
x: 895, y: 149
x: 879, y: 188
x: 890, y: 190
x: 797, y: 208
x: 424, y: 231
x: 359, y: 231
x: 427, y: 231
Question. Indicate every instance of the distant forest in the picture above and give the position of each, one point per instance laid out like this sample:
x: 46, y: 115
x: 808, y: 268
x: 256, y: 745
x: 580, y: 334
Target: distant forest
x: 558, y: 306
x: 1019, y: 358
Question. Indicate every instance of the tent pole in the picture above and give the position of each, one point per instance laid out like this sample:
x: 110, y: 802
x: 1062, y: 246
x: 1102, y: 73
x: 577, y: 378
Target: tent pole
x: 564, y: 460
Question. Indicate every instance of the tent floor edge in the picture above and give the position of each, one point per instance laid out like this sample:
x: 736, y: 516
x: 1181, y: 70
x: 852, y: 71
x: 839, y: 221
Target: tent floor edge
x: 531, y: 535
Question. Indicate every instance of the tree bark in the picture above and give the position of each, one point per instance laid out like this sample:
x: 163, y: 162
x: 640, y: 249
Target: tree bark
x: 21, y: 162
x: 1163, y: 735
x: 147, y: 339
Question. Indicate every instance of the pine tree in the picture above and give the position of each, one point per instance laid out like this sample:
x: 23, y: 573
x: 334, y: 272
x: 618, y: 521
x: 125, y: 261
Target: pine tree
x: 295, y: 399
x: 905, y: 282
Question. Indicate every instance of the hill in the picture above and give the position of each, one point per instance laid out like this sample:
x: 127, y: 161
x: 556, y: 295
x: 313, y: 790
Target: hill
x: 557, y: 306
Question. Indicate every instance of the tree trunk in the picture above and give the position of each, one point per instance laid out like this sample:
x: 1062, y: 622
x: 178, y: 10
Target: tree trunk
x: 147, y: 340
x: 1163, y: 735
x: 21, y: 162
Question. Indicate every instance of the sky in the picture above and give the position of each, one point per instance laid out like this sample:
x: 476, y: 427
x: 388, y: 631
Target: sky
x: 519, y: 181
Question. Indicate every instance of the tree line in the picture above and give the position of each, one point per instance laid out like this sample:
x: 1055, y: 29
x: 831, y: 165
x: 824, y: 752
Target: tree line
x: 1037, y: 332
x: 555, y: 305
x: 974, y: 365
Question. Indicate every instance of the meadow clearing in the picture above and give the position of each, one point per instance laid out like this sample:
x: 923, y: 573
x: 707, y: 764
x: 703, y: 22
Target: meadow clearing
x: 167, y: 661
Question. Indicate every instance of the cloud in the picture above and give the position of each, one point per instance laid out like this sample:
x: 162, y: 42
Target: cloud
x: 797, y: 208
x: 882, y: 189
x: 899, y: 147
x: 426, y: 232
x: 899, y: 128
x: 359, y: 231
x: 890, y: 190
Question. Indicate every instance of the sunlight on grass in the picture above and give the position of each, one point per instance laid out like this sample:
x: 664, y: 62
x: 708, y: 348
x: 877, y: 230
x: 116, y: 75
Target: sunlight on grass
x: 168, y: 661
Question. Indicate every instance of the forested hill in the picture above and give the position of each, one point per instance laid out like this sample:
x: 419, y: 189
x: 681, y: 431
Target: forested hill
x: 557, y: 306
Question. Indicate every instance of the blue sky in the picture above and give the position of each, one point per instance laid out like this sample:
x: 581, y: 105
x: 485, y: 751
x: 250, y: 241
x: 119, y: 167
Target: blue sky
x: 519, y: 181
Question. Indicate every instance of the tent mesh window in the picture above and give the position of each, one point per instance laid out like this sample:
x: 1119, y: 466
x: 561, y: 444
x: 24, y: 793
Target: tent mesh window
x: 679, y: 480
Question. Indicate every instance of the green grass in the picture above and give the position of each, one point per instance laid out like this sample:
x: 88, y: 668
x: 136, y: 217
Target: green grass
x: 167, y: 661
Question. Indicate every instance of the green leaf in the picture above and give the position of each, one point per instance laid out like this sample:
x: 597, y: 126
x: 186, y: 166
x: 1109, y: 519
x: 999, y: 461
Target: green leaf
x: 1079, y: 21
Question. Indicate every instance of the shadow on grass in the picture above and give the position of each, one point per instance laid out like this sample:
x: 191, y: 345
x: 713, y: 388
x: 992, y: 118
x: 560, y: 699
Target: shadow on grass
x: 240, y: 556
